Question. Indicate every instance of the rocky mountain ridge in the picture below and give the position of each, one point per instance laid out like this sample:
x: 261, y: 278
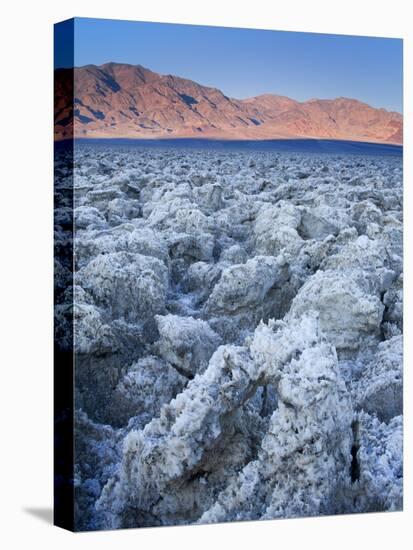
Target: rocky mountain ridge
x: 117, y: 100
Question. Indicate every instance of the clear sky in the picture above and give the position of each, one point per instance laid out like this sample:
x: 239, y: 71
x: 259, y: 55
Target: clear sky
x: 245, y: 62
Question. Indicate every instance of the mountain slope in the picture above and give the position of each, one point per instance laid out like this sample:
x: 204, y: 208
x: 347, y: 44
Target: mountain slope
x: 119, y: 100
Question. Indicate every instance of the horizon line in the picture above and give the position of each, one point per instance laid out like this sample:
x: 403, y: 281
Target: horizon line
x: 229, y: 140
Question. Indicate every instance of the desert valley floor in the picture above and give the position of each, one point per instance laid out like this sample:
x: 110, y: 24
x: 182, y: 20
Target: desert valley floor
x: 238, y: 333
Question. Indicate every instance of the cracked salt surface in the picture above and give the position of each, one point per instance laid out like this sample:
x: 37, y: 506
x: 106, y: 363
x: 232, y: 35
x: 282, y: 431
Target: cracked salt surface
x: 238, y: 321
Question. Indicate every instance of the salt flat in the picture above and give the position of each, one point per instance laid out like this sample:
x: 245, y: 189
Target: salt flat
x: 238, y: 333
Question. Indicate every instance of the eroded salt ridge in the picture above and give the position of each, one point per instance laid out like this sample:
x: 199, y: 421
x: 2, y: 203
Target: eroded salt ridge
x: 238, y: 334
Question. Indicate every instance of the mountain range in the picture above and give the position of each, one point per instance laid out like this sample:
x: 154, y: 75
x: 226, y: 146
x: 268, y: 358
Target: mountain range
x: 117, y: 100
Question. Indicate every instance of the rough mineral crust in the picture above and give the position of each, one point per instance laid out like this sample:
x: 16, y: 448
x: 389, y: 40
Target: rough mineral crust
x: 379, y: 390
x: 237, y: 331
x: 186, y: 343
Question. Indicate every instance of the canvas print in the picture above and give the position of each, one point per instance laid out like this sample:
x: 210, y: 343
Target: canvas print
x: 228, y: 274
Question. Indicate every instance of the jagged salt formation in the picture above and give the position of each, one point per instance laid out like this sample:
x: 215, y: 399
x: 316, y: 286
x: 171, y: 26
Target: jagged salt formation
x: 238, y: 334
x: 308, y: 439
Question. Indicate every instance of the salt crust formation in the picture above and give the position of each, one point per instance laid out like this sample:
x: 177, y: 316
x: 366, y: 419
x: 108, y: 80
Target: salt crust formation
x: 238, y: 334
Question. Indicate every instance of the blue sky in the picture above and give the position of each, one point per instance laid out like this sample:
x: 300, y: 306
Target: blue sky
x: 245, y: 62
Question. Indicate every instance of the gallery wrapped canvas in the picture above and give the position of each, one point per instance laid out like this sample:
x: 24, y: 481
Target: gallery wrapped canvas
x: 228, y: 274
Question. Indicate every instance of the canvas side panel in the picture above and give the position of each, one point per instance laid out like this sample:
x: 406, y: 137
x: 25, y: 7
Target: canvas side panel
x: 63, y: 275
